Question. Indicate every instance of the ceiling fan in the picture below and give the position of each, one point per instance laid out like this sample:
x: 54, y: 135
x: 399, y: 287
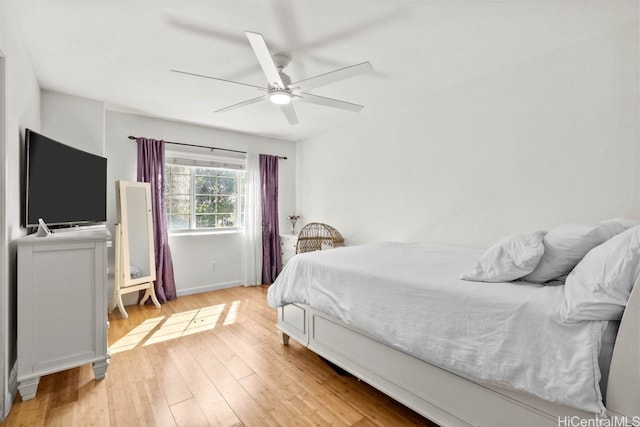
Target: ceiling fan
x: 281, y: 91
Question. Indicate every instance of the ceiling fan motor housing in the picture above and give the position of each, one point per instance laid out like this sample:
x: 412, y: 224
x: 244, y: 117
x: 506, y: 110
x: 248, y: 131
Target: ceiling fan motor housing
x: 281, y: 60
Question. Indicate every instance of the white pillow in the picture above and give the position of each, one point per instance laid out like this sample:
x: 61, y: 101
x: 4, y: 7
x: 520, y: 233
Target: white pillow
x: 509, y: 259
x: 618, y: 225
x: 566, y: 245
x: 599, y: 287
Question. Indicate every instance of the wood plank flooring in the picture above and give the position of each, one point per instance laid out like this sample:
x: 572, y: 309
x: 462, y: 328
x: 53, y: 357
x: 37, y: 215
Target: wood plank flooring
x: 212, y: 359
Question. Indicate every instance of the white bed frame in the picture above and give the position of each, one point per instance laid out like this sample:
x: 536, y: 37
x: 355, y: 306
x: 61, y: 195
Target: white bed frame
x: 450, y: 400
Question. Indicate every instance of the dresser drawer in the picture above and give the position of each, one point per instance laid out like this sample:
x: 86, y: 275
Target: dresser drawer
x: 288, y: 244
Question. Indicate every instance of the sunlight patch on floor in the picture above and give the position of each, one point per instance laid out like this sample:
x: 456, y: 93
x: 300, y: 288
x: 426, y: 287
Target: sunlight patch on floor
x: 165, y: 328
x: 233, y: 314
x: 135, y: 336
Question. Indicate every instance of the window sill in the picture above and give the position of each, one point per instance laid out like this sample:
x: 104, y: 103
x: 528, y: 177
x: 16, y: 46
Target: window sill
x: 181, y: 233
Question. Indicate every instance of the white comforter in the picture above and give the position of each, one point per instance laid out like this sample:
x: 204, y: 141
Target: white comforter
x: 409, y: 296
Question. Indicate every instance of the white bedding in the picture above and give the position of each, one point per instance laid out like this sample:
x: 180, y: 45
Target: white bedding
x: 409, y: 296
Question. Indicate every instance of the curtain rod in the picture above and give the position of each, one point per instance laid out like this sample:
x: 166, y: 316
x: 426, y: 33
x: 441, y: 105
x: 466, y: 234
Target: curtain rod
x: 204, y: 146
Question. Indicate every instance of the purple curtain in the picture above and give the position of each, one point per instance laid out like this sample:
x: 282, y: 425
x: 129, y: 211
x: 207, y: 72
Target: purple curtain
x: 151, y: 170
x: 271, y: 263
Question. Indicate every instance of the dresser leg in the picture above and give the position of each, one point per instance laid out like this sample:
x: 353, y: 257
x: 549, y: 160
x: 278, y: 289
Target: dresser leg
x: 28, y: 388
x: 100, y: 368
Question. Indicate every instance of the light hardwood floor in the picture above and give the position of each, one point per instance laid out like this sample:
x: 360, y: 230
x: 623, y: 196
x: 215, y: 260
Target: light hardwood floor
x: 212, y: 359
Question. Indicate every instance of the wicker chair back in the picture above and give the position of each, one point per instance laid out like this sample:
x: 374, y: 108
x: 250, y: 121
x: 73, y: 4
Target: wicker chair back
x: 316, y: 236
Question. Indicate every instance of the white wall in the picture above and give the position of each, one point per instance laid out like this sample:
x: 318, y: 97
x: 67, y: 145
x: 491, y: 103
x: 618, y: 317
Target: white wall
x: 21, y: 110
x: 74, y: 121
x: 194, y: 255
x: 550, y: 139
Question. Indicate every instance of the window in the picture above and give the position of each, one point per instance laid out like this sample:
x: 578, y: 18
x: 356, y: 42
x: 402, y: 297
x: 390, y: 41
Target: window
x: 204, y: 197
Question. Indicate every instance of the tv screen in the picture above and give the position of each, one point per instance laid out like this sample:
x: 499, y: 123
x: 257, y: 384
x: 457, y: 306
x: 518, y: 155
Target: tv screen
x: 64, y: 185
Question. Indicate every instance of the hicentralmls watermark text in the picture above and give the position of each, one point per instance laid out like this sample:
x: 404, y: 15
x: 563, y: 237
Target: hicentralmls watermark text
x: 620, y: 421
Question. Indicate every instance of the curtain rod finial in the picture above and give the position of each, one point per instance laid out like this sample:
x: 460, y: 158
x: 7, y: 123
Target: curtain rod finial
x: 132, y: 137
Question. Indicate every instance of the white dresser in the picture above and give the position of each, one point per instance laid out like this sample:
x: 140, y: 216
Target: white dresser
x: 62, y: 305
x: 287, y: 247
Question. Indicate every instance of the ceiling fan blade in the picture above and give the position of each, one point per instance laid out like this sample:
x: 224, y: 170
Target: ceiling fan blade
x: 333, y: 76
x: 264, y: 58
x: 330, y: 102
x: 289, y: 113
x: 215, y: 78
x: 242, y: 104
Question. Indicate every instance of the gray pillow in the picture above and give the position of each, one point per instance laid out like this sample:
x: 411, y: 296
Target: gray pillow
x: 509, y: 259
x: 600, y: 285
x: 566, y: 245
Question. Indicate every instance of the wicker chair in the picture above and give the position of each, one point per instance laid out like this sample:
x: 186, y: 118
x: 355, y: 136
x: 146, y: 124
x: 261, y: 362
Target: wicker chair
x: 316, y: 236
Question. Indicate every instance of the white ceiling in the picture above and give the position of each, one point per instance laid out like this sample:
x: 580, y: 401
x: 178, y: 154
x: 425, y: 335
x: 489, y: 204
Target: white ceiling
x: 122, y: 51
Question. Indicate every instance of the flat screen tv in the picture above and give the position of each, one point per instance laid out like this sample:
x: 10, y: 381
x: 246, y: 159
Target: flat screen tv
x: 64, y: 185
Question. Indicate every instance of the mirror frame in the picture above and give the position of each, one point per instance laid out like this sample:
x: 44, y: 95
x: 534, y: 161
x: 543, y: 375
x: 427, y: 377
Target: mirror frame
x: 124, y: 221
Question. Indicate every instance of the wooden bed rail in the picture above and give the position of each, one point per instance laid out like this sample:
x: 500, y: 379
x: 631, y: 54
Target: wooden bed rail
x: 623, y: 388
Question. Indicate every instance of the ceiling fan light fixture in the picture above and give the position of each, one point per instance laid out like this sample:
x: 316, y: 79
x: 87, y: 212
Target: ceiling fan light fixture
x: 280, y: 97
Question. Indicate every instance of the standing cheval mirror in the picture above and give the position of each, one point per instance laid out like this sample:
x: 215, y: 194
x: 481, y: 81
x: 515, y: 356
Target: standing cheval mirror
x: 135, y: 266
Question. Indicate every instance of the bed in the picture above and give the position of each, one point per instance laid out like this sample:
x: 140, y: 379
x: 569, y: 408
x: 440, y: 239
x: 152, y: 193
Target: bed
x: 457, y: 359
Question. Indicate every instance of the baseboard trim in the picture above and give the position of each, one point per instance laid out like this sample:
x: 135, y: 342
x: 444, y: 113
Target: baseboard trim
x: 132, y: 299
x: 207, y: 288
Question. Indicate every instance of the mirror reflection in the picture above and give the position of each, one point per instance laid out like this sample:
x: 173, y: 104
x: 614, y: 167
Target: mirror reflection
x: 140, y: 253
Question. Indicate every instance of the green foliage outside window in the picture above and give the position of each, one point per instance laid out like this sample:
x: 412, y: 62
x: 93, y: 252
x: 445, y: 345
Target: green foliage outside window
x: 203, y: 197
